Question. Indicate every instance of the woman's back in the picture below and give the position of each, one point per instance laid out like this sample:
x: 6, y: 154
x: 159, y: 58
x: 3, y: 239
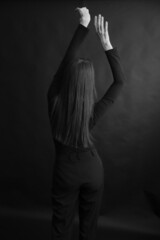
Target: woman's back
x: 73, y: 105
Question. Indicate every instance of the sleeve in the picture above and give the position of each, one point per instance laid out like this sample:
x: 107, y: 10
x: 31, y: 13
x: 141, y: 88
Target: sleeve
x: 71, y: 52
x: 111, y: 94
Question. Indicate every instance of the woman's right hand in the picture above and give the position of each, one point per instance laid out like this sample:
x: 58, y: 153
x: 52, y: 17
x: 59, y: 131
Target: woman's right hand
x: 102, y: 32
x: 85, y: 16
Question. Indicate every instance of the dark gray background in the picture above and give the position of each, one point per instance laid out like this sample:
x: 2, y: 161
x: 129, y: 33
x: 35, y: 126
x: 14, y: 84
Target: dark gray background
x: 33, y: 39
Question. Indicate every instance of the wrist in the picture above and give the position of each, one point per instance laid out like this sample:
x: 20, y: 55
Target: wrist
x: 84, y: 23
x: 107, y: 46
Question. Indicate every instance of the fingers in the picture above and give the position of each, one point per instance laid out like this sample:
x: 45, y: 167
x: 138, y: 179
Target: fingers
x: 99, y: 24
x: 82, y: 10
x: 95, y: 23
x: 78, y: 10
x: 102, y: 25
x: 106, y: 27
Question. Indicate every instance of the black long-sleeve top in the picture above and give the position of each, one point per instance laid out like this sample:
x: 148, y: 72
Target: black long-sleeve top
x: 112, y: 92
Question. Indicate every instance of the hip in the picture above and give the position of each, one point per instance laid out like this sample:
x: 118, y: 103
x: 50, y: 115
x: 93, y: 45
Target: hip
x: 78, y: 162
x: 79, y: 167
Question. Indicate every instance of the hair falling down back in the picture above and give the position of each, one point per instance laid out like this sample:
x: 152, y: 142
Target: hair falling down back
x: 73, y: 106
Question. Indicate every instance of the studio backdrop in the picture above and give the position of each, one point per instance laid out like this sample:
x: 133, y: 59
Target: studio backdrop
x: 34, y: 38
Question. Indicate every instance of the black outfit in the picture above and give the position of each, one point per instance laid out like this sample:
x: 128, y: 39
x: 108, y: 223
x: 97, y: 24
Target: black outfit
x: 78, y: 172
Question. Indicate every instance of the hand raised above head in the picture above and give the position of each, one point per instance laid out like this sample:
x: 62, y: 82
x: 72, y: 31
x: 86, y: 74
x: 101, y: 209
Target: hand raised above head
x: 85, y: 17
x: 102, y: 31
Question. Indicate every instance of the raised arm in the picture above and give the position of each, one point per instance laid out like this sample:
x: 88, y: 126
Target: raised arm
x: 118, y: 76
x: 77, y: 39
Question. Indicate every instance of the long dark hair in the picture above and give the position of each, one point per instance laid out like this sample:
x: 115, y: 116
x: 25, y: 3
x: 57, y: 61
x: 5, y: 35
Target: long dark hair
x: 73, y: 106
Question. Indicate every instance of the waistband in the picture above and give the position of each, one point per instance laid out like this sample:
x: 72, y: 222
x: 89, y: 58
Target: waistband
x: 64, y: 148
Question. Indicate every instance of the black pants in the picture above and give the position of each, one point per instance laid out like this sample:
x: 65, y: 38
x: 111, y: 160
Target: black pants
x: 77, y: 176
